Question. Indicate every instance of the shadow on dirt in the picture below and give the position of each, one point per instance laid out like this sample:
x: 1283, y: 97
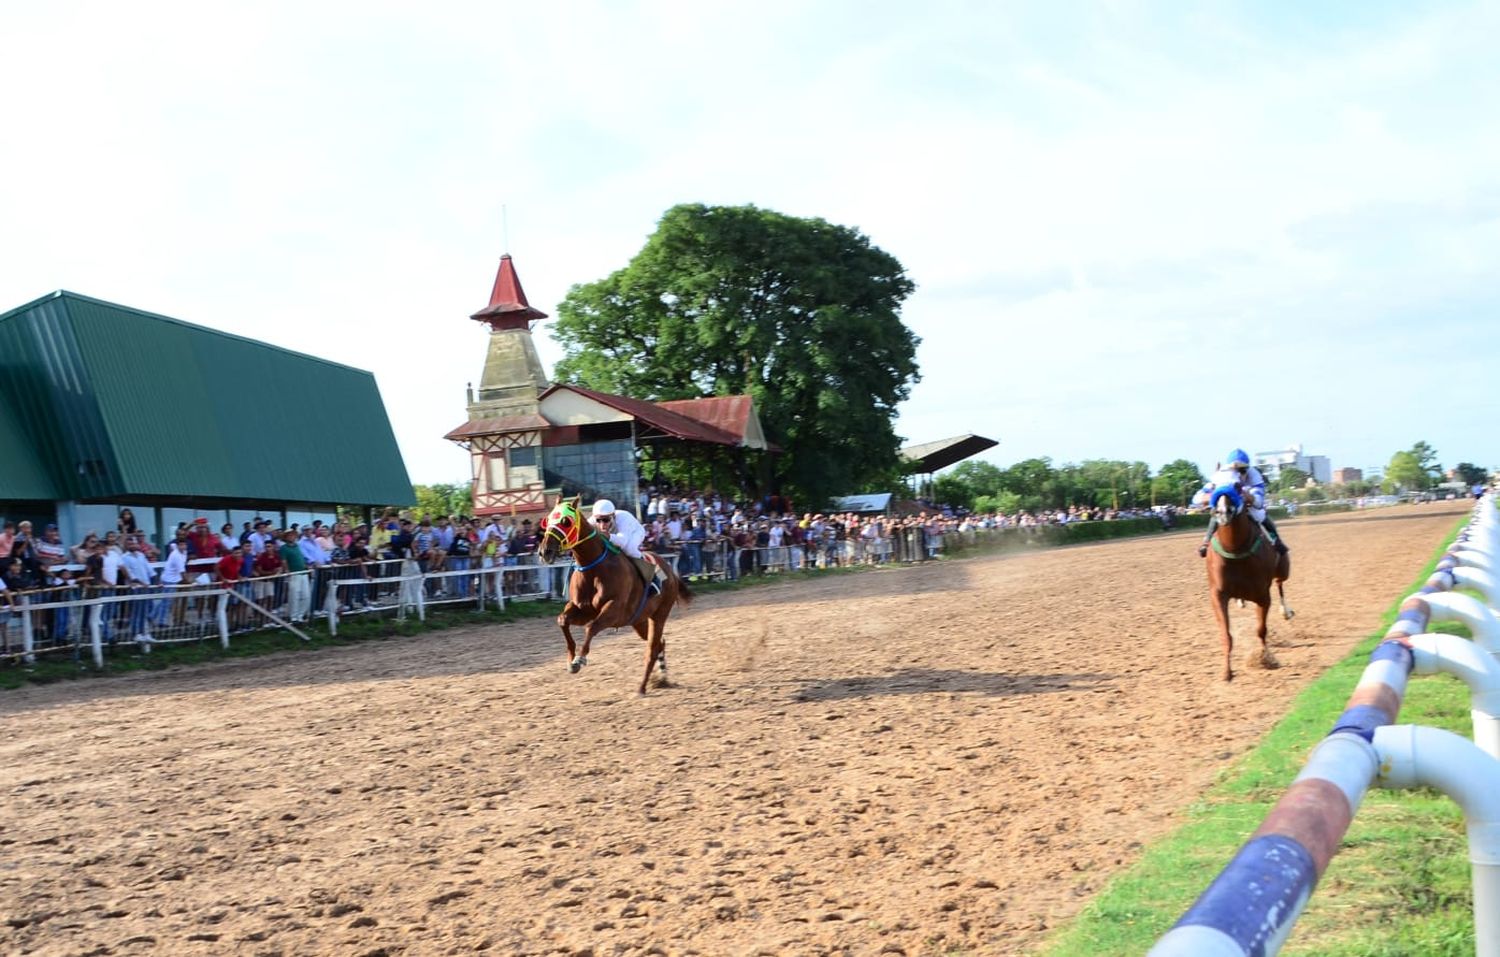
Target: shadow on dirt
x: 929, y: 680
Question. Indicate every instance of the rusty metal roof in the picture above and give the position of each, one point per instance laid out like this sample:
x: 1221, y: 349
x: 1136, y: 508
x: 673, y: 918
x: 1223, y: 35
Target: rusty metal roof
x: 490, y: 425
x: 734, y: 414
x: 661, y: 419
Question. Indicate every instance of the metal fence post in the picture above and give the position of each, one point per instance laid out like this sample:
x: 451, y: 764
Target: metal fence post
x: 94, y: 612
x: 221, y: 617
x: 28, y: 636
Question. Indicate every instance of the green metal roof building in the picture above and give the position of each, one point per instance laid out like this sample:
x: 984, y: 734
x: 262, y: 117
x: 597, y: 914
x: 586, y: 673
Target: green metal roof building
x: 105, y: 407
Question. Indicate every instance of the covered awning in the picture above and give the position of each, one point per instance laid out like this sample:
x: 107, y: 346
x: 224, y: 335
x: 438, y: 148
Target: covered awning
x: 863, y: 504
x: 932, y: 456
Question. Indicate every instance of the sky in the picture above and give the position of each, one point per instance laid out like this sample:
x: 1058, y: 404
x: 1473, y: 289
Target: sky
x: 1141, y: 231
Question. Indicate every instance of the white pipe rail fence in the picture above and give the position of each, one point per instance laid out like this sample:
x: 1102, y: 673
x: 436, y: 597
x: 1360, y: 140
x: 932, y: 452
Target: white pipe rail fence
x: 1250, y: 908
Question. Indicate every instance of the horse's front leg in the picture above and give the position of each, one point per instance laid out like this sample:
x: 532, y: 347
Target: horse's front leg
x: 575, y: 661
x: 596, y: 625
x: 1221, y: 612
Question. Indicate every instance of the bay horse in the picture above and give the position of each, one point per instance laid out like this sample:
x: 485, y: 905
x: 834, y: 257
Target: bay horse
x: 606, y: 590
x: 1243, y: 563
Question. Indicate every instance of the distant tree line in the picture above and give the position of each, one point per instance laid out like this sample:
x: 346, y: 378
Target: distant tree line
x: 1036, y: 484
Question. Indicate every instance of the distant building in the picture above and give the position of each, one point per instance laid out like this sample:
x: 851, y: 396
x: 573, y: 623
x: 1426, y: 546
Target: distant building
x: 1346, y: 475
x: 531, y: 441
x: 1271, y: 463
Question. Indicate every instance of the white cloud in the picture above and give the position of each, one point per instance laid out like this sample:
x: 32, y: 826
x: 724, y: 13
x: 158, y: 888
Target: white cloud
x: 1098, y: 206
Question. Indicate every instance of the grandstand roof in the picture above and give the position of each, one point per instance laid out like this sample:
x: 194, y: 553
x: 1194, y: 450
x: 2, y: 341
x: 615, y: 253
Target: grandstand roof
x: 931, y: 456
x: 112, y: 401
x: 725, y: 420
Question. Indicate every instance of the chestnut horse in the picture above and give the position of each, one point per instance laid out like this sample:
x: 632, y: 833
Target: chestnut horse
x: 1242, y: 564
x: 607, y: 591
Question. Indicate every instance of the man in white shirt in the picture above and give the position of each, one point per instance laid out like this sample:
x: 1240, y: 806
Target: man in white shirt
x: 172, y: 574
x: 137, y: 575
x: 625, y: 531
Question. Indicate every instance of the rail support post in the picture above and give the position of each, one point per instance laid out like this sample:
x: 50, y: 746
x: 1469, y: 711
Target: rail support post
x: 1416, y: 756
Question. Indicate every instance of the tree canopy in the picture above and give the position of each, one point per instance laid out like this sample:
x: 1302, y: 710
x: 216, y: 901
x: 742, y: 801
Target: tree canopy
x: 1406, y: 473
x: 1034, y: 484
x: 801, y: 314
x: 1470, y: 473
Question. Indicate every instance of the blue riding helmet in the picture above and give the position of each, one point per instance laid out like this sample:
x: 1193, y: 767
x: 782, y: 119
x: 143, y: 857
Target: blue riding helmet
x: 1237, y: 457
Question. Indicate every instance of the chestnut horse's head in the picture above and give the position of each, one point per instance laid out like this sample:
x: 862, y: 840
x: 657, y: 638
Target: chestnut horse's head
x: 562, y: 530
x: 1226, y: 502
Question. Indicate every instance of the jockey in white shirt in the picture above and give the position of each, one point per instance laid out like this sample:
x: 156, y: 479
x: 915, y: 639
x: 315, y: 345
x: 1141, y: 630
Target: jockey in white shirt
x: 625, y: 531
x: 1238, y: 471
x: 622, y: 528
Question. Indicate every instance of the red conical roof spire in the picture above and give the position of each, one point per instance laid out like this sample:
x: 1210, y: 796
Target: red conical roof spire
x: 508, y: 308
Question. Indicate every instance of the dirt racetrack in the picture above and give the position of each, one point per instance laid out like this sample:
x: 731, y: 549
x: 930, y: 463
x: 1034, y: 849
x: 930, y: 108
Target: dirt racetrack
x: 946, y: 758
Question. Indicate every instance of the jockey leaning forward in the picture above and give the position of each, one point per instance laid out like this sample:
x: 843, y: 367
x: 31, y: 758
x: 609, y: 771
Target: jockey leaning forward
x: 625, y: 531
x: 1238, y: 472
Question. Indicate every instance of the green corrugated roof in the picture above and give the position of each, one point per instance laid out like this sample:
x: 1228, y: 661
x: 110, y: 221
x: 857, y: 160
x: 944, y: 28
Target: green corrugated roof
x: 125, y: 402
x: 22, y: 474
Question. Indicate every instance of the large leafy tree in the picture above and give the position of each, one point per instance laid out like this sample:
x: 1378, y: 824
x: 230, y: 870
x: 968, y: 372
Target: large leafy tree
x: 1426, y: 457
x: 802, y: 314
x: 1470, y: 473
x: 1176, y: 482
x: 1406, y: 472
x: 1290, y: 477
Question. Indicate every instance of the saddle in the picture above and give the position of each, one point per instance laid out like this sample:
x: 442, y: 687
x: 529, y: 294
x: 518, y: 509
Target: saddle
x: 649, y: 570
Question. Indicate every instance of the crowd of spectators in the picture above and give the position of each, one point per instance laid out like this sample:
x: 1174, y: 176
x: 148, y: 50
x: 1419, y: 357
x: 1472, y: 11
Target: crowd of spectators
x: 289, y: 569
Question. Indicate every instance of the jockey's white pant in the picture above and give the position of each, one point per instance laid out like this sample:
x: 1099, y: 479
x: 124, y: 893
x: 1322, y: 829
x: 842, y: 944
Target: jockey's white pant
x: 1259, y: 514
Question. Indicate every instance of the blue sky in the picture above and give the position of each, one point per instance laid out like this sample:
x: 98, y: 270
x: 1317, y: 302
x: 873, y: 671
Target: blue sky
x: 1142, y: 231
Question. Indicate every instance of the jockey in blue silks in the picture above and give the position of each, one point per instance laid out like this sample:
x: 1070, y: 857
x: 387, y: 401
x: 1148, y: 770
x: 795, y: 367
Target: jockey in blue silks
x: 1239, y: 473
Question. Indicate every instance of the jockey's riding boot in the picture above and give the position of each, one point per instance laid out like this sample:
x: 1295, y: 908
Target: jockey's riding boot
x: 1203, y: 549
x: 1270, y: 526
x: 1213, y: 523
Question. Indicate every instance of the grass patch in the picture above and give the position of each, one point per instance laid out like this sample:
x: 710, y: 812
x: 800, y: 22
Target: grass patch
x: 1399, y: 885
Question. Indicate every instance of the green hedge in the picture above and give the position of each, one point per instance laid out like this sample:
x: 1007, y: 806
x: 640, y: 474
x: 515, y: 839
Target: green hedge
x: 1322, y: 508
x: 1009, y: 539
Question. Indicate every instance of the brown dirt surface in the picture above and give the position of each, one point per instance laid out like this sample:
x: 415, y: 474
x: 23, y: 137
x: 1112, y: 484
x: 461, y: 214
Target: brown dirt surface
x: 940, y: 759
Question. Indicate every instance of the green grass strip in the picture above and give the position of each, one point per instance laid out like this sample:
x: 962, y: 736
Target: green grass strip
x: 1399, y: 885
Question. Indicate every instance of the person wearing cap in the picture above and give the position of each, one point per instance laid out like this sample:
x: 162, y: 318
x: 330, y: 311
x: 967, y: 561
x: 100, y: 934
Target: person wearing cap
x: 1238, y: 473
x: 620, y: 527
x: 299, y: 591
x: 202, y: 542
x: 624, y: 530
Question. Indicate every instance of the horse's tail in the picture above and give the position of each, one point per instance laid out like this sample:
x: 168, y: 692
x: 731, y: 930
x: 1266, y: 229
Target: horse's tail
x: 684, y: 593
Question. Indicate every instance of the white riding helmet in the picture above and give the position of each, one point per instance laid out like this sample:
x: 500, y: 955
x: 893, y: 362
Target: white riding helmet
x: 603, y: 507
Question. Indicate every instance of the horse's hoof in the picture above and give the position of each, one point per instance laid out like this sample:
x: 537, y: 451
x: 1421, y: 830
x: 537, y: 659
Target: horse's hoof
x: 573, y: 666
x: 1288, y: 614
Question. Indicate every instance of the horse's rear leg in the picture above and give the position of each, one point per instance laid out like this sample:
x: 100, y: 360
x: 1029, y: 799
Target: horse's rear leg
x: 1267, y: 660
x: 655, y: 649
x: 1286, y: 610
